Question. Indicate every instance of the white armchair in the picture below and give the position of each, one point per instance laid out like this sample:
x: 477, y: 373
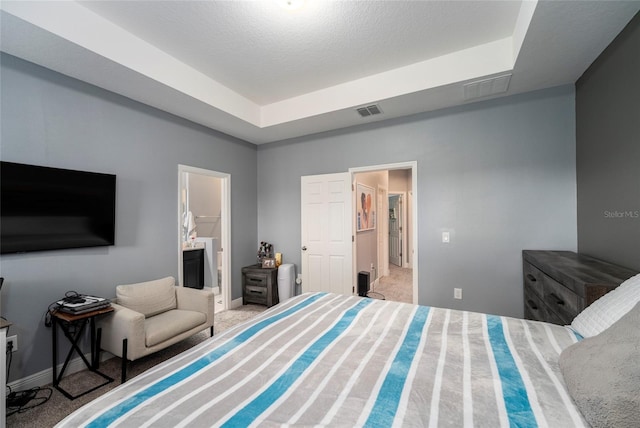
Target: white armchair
x: 150, y: 316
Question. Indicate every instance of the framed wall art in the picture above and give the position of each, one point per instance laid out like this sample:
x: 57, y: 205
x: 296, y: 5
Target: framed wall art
x: 365, y: 208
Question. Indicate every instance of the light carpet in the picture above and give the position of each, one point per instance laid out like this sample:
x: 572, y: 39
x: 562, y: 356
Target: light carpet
x: 397, y: 286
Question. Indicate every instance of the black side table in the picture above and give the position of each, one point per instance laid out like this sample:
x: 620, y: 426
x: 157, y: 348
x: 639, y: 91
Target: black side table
x: 72, y: 326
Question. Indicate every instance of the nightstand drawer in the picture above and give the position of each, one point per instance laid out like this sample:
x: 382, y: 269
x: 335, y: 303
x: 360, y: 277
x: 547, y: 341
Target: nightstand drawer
x: 256, y: 279
x: 256, y: 294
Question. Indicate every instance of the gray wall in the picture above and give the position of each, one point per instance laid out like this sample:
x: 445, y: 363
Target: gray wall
x: 608, y: 152
x: 49, y: 119
x: 499, y: 174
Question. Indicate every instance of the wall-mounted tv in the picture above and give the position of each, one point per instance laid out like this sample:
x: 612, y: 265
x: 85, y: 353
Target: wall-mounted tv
x: 44, y: 208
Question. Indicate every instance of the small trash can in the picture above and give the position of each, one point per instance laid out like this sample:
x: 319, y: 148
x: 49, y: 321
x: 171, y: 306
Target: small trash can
x: 286, y: 281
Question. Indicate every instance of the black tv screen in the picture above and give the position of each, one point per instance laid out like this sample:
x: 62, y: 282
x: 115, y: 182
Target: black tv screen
x: 46, y: 208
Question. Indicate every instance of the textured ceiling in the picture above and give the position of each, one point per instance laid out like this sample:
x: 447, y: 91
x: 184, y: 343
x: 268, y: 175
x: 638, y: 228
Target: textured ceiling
x: 262, y: 73
x: 268, y: 54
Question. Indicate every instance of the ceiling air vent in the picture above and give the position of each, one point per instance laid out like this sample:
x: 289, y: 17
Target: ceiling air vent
x: 369, y: 110
x: 486, y: 87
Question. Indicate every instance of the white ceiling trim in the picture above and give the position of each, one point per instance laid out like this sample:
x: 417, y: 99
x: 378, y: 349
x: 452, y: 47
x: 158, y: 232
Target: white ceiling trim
x: 552, y: 43
x: 527, y: 9
x: 82, y: 27
x: 98, y: 36
x: 489, y: 58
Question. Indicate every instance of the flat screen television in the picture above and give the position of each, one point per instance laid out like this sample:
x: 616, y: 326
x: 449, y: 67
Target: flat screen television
x: 43, y: 208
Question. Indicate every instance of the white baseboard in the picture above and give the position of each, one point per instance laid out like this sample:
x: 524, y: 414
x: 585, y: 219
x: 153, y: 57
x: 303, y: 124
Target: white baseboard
x: 236, y: 303
x: 45, y: 377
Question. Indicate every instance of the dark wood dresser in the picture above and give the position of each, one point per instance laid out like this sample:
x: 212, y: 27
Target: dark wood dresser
x: 260, y: 285
x: 558, y: 285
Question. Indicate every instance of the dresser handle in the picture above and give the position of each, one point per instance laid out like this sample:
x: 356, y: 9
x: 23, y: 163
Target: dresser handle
x: 532, y: 305
x: 558, y: 300
x: 531, y: 278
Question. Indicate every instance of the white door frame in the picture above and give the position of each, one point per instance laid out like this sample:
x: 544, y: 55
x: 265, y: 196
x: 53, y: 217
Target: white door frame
x: 225, y: 226
x: 413, y: 166
x: 409, y: 219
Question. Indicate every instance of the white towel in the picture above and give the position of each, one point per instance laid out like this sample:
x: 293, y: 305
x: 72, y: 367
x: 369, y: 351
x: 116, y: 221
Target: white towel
x: 189, y: 225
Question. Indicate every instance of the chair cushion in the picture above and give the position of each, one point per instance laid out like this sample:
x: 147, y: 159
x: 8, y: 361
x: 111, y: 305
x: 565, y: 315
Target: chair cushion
x: 149, y: 298
x: 170, y: 324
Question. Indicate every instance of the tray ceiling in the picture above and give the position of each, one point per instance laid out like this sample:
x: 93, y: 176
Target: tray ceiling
x: 262, y: 73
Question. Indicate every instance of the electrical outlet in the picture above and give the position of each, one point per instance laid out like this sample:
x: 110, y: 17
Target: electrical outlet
x: 372, y: 266
x: 12, y: 343
x: 457, y: 293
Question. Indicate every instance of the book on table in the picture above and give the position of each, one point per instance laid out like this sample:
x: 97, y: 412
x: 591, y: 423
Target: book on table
x: 82, y: 304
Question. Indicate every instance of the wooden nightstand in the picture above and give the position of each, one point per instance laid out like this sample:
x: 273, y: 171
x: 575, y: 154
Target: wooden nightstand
x: 260, y: 286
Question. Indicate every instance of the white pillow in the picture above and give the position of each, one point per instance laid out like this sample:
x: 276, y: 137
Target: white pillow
x: 608, y: 309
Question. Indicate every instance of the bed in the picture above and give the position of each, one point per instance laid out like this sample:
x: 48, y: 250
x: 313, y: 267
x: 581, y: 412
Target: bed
x: 322, y: 359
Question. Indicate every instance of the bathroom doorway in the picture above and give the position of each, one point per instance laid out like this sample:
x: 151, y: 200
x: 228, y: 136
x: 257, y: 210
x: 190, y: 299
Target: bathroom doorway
x: 204, y: 225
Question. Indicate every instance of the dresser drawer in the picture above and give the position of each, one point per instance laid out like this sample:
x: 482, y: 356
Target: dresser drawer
x: 560, y: 300
x: 534, y: 307
x: 533, y: 278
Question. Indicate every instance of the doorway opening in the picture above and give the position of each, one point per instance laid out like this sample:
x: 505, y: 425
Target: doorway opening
x: 387, y: 251
x: 204, y: 224
x: 396, y: 226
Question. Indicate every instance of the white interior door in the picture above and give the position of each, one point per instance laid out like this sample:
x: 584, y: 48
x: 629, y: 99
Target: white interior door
x: 326, y: 233
x: 395, y: 230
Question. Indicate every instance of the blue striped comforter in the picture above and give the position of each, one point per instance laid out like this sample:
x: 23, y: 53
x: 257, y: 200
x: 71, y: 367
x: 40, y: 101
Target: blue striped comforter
x: 328, y: 360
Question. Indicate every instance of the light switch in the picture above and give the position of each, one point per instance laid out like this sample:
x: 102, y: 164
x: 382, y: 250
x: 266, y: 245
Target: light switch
x: 445, y: 237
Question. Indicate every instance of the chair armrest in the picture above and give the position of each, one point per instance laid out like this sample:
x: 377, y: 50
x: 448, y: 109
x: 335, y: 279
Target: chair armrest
x: 192, y: 299
x: 120, y: 324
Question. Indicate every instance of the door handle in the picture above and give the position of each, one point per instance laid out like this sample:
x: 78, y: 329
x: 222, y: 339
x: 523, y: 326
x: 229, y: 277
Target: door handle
x: 304, y: 248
